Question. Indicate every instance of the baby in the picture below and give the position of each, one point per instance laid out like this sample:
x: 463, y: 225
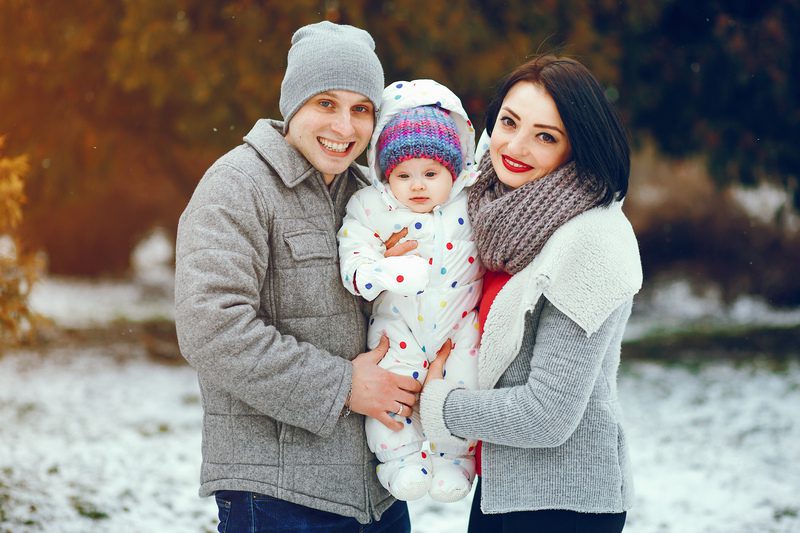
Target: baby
x: 422, y: 149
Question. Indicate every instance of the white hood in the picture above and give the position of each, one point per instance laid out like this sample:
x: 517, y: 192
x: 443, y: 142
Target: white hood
x: 402, y: 95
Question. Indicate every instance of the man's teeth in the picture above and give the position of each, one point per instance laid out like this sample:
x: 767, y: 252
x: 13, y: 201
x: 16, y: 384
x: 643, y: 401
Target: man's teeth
x: 334, y: 147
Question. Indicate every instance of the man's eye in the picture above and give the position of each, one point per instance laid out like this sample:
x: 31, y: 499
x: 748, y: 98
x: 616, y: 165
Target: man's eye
x: 361, y: 109
x: 326, y: 103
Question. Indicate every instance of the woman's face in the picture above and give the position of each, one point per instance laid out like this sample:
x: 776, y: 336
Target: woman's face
x: 529, y: 140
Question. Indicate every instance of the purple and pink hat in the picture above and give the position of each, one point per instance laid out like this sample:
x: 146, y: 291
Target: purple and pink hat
x: 427, y: 132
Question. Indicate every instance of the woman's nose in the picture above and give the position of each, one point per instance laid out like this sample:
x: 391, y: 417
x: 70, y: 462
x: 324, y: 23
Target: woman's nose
x: 517, y: 146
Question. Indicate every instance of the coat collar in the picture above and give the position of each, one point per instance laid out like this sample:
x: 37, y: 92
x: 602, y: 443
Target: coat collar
x: 266, y: 138
x: 588, y: 267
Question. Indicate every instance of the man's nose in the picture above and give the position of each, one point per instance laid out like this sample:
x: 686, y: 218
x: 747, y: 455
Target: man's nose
x: 343, y: 124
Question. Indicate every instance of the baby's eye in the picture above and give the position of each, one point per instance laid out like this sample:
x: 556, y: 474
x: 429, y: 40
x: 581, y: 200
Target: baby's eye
x: 431, y: 174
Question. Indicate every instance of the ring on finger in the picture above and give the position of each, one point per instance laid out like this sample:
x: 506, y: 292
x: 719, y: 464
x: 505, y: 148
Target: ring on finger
x: 399, y: 409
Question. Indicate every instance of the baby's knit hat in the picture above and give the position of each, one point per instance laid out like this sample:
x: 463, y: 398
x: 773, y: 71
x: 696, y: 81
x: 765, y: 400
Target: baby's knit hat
x: 427, y: 132
x: 328, y: 57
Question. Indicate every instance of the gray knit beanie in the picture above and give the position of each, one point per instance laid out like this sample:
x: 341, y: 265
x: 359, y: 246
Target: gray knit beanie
x: 328, y: 57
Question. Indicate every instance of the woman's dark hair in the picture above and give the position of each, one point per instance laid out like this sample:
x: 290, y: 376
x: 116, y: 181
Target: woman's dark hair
x: 600, y: 146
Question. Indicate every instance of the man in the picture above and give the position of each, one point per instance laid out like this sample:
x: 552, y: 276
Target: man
x: 262, y: 315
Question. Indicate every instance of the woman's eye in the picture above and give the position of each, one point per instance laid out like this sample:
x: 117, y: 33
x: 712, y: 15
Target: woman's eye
x: 546, y: 137
x: 507, y: 121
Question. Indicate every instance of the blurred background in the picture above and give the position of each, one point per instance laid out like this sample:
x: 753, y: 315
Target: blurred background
x: 110, y: 112
x: 119, y: 107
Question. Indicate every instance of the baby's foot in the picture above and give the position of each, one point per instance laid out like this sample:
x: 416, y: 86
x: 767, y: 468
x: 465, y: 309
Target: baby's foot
x: 406, y: 478
x: 452, y: 477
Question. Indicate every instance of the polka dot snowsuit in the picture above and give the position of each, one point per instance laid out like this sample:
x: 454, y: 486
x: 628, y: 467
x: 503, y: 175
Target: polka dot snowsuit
x: 420, y: 300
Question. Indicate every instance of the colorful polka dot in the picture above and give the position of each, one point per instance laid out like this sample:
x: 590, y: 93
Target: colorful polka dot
x: 403, y: 345
x: 464, y: 314
x: 397, y: 226
x: 449, y: 245
x: 424, y: 455
x: 419, y: 317
x: 425, y: 364
x: 460, y: 221
x: 418, y: 225
x: 399, y: 85
x: 443, y: 271
x: 471, y: 259
x: 430, y: 260
x: 368, y: 286
x: 443, y: 304
x: 408, y: 421
x: 454, y: 284
x: 345, y: 233
x: 397, y: 97
x: 415, y: 375
x: 400, y: 279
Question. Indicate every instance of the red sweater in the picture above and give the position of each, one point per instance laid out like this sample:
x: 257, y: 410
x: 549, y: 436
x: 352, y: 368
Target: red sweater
x: 493, y: 282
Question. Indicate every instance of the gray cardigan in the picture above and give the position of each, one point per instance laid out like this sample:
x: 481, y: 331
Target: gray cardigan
x: 548, y: 413
x: 263, y: 317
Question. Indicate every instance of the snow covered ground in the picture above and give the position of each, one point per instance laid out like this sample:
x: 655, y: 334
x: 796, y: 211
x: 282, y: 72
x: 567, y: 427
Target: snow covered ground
x: 103, y: 438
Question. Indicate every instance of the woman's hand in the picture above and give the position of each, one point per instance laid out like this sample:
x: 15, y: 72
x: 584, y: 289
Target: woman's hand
x: 393, y: 249
x: 436, y: 368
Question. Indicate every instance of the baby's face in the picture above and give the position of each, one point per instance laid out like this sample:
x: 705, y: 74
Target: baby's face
x: 421, y: 184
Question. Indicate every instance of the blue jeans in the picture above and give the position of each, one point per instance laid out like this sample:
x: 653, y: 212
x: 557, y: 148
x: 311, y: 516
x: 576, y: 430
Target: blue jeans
x: 248, y: 512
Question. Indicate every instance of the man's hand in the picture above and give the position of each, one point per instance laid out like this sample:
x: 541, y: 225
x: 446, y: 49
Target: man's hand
x: 393, y: 249
x: 377, y: 392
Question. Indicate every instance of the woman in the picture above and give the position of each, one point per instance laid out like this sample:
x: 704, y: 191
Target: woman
x: 563, y: 267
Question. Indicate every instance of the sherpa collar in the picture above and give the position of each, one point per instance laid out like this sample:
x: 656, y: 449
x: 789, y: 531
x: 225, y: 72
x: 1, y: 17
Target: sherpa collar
x: 588, y: 268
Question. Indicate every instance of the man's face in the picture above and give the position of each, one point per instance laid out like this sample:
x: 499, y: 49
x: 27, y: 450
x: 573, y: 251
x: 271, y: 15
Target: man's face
x: 332, y: 129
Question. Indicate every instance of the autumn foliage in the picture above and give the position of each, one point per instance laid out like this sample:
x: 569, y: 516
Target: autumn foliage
x: 18, y: 269
x: 121, y: 105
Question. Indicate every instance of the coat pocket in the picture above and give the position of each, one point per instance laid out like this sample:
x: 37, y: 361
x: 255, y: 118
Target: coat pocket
x: 305, y: 244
